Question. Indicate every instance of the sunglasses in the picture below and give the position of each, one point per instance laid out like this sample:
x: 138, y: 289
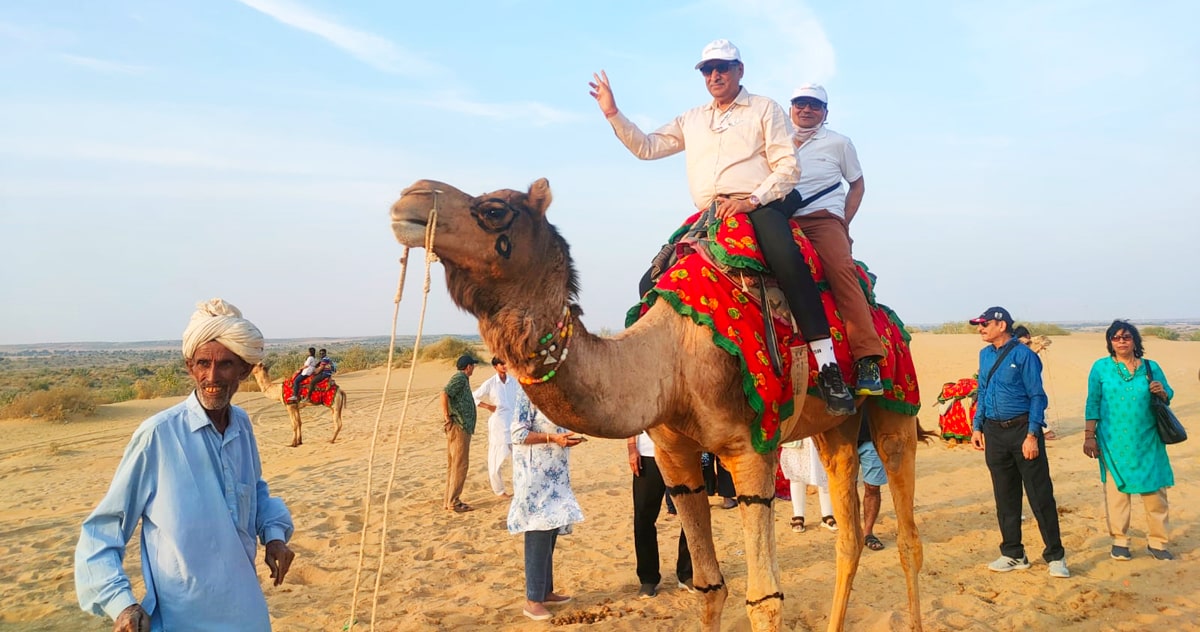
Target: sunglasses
x: 807, y: 102
x: 720, y: 66
x: 1122, y: 337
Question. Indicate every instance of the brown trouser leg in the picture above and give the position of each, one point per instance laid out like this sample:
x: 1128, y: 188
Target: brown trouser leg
x: 830, y: 237
x: 458, y: 450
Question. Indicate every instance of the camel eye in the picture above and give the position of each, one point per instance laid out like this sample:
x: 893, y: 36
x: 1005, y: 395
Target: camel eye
x: 494, y: 215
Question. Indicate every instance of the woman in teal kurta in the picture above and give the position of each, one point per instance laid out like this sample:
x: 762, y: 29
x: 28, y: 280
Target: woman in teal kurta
x: 1120, y: 431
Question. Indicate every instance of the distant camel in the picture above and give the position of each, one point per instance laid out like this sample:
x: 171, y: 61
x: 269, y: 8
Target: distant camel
x: 275, y: 392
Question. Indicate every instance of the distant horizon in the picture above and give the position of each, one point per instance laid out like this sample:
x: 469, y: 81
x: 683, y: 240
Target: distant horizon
x: 170, y: 342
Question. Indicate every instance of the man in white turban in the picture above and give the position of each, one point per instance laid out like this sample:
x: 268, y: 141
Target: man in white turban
x: 192, y: 475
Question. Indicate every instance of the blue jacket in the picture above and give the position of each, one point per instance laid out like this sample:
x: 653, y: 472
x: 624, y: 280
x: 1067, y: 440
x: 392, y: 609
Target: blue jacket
x: 1015, y: 388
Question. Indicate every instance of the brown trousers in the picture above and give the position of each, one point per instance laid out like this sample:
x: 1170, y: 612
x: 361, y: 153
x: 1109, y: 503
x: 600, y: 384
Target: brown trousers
x: 1116, y: 511
x: 831, y: 238
x: 458, y: 452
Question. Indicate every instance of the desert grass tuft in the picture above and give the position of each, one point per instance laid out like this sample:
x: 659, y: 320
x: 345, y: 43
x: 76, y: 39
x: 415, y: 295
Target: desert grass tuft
x: 54, y: 404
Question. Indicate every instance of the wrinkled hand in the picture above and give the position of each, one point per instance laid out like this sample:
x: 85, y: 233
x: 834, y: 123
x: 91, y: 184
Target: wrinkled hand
x: 446, y: 426
x: 1029, y: 447
x: 977, y: 439
x: 1090, y: 449
x: 1156, y: 388
x: 279, y: 559
x: 602, y: 92
x: 132, y: 619
x: 728, y: 208
x: 635, y: 463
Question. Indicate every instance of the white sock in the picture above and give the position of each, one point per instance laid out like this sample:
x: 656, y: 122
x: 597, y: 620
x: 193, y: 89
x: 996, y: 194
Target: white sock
x: 823, y: 352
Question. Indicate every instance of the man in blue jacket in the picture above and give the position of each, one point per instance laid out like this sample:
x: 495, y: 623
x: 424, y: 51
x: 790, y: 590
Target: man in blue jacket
x: 1008, y: 424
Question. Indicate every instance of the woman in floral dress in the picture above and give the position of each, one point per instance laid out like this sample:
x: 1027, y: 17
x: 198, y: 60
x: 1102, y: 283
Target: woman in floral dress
x: 543, y: 505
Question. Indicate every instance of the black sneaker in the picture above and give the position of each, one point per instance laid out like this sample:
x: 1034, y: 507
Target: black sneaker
x: 647, y: 591
x: 869, y: 382
x: 838, y: 401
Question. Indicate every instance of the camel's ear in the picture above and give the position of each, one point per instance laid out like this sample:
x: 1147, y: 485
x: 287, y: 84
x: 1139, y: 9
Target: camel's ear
x: 539, y: 196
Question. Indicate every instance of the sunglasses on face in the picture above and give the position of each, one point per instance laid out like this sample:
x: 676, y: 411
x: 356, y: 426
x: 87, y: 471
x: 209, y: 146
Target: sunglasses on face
x: 1122, y: 337
x: 720, y: 66
x: 811, y: 104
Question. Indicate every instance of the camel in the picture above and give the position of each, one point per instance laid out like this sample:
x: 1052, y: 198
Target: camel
x: 275, y: 392
x: 510, y: 268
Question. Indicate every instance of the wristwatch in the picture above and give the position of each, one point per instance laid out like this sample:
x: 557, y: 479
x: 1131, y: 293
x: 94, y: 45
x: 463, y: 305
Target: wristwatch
x: 755, y: 201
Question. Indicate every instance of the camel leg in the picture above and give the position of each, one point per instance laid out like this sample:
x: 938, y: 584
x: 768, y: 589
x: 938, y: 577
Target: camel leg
x: 681, y: 472
x: 754, y: 479
x: 339, y: 402
x: 896, y: 441
x: 294, y: 413
x: 838, y: 447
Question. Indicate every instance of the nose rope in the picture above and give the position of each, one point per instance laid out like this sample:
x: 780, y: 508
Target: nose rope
x: 430, y: 257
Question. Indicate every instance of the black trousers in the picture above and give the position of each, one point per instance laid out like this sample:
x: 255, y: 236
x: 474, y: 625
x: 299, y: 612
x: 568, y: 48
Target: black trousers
x: 647, y: 502
x: 786, y: 263
x: 1010, y: 470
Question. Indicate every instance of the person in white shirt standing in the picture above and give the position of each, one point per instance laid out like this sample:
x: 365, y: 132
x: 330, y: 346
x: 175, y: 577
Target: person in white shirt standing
x: 498, y: 395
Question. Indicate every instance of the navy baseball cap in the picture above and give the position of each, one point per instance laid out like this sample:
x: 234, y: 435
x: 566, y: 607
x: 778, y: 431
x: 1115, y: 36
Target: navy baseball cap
x: 465, y: 361
x: 993, y: 313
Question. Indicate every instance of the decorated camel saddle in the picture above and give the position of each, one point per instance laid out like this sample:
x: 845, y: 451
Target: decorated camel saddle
x: 321, y: 394
x: 712, y: 282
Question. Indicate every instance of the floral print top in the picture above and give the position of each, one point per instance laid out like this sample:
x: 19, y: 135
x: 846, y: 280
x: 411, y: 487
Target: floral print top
x: 542, y: 497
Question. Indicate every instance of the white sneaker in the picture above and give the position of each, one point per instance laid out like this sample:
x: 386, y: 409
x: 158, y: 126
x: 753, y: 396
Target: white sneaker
x: 1004, y: 563
x: 1058, y: 568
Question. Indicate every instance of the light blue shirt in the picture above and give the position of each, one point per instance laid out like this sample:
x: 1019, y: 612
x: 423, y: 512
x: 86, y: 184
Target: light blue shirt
x: 202, y: 502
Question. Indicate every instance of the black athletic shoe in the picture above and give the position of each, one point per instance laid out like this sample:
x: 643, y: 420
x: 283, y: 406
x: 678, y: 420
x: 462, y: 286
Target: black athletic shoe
x: 869, y: 382
x: 838, y: 401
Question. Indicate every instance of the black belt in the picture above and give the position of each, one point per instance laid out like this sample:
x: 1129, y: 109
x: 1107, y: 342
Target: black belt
x: 1009, y: 423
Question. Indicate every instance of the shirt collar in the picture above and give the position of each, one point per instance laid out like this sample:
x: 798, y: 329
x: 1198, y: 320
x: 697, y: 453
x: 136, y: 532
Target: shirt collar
x: 198, y: 418
x: 742, y: 99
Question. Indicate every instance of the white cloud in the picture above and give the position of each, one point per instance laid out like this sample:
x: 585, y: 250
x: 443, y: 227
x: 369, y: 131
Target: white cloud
x: 367, y: 47
x: 530, y: 112
x: 103, y: 65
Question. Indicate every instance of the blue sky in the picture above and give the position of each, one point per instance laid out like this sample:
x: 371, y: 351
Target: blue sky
x: 1039, y: 155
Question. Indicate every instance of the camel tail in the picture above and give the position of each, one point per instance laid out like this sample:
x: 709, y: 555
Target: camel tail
x: 923, y: 435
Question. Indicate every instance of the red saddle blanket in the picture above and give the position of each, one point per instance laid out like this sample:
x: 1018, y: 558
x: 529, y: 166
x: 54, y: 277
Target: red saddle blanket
x: 955, y: 418
x: 322, y: 396
x: 695, y: 289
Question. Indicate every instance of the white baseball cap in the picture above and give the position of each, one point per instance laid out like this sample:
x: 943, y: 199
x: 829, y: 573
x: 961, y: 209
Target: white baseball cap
x: 719, y: 50
x: 813, y: 91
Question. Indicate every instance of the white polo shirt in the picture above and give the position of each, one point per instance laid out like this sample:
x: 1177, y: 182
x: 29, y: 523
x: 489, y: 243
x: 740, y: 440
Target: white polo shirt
x: 825, y: 159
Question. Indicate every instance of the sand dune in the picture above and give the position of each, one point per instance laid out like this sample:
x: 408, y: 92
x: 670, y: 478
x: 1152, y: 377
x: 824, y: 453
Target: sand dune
x: 455, y: 572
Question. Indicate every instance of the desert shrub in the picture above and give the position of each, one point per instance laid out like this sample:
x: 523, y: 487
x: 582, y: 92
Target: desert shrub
x: 54, y: 404
x: 168, y: 381
x: 1046, y: 329
x: 448, y: 348
x: 1195, y: 336
x: 960, y: 327
x: 1160, y: 332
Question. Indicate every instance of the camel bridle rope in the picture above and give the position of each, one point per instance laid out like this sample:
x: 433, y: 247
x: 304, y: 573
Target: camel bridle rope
x: 430, y: 258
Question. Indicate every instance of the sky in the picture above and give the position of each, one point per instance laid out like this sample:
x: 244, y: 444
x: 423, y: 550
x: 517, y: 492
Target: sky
x: 1040, y: 155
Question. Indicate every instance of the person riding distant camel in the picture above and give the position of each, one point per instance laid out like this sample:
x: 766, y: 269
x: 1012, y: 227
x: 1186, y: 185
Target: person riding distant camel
x: 324, y: 370
x: 310, y: 366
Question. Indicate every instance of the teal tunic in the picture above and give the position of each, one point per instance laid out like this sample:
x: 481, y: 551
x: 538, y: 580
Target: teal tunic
x: 1126, y: 432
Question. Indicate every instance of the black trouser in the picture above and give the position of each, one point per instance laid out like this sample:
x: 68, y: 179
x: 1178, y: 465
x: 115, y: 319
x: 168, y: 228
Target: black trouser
x: 1010, y: 469
x: 786, y: 264
x: 296, y: 385
x: 718, y: 480
x: 647, y: 502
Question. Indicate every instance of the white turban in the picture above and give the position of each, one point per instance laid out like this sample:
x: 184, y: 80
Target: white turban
x: 222, y: 322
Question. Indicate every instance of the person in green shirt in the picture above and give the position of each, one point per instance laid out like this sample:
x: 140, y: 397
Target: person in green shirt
x: 458, y: 412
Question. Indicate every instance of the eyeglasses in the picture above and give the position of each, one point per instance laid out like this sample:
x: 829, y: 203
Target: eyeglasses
x: 809, y: 103
x: 1122, y: 338
x: 720, y: 66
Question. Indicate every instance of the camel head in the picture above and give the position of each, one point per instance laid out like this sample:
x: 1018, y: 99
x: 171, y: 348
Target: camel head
x: 497, y: 248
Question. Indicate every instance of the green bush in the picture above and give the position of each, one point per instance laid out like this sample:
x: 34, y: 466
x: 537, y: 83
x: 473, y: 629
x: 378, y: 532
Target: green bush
x: 54, y: 404
x: 1195, y: 336
x: 1046, y: 329
x: 955, y: 327
x: 1160, y: 332
x: 448, y: 348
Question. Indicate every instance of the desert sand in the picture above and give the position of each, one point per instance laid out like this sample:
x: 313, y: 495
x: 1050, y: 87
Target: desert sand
x: 464, y: 572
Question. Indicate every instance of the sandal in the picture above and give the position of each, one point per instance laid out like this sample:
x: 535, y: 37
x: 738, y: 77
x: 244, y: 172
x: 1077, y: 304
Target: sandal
x: 798, y: 524
x: 829, y: 523
x: 462, y: 508
x: 873, y: 543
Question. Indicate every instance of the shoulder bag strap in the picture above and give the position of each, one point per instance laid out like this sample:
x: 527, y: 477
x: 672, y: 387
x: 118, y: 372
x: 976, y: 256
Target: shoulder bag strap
x: 1008, y: 348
